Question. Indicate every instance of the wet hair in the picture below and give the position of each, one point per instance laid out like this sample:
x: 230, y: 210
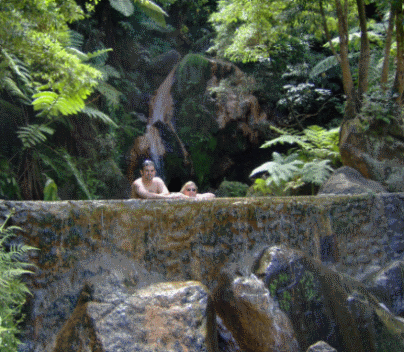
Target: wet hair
x: 187, y: 184
x: 147, y: 162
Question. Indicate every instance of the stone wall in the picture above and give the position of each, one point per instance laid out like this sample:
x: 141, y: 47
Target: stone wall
x: 188, y: 240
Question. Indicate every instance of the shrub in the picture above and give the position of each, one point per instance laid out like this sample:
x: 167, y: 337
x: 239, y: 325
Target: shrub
x: 232, y: 189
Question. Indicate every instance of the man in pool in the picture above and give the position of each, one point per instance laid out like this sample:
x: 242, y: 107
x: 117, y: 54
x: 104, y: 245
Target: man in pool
x: 148, y: 186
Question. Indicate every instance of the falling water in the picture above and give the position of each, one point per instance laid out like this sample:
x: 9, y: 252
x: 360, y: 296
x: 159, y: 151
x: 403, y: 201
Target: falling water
x: 156, y: 149
x: 161, y: 110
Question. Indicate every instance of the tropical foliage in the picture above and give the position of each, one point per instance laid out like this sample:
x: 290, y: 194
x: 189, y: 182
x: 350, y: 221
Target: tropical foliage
x: 13, y: 291
x: 310, y: 163
x: 49, y: 79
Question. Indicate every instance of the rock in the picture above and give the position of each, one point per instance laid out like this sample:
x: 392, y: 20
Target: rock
x: 347, y: 180
x: 164, y: 63
x: 60, y: 300
x: 324, y: 305
x: 388, y: 286
x: 250, y: 313
x: 321, y: 346
x: 161, y: 317
x: 377, y: 155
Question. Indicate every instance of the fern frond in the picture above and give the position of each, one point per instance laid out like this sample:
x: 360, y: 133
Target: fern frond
x: 281, y: 169
x: 33, y: 134
x: 316, y: 171
x: 76, y: 39
x: 95, y: 113
x: 299, y: 140
x: 18, y: 68
x: 323, y: 66
x: 109, y: 92
x: 51, y: 103
x: 76, y: 174
x: 109, y: 71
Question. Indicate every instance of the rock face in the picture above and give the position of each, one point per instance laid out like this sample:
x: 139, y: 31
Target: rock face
x: 347, y: 180
x: 325, y: 305
x: 96, y: 258
x: 202, y: 106
x: 377, y: 153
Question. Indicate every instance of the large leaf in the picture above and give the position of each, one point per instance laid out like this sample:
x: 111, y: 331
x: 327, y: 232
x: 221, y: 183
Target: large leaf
x: 125, y: 7
x: 155, y: 12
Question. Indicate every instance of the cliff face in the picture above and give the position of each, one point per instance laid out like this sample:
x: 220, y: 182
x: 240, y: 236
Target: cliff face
x: 127, y: 245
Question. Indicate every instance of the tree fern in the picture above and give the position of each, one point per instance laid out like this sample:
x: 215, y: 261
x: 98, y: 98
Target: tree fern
x: 12, y: 291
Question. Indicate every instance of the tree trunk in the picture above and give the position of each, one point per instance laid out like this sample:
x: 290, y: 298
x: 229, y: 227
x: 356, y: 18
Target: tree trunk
x: 344, y: 40
x: 389, y: 35
x: 365, y: 51
x: 399, y: 80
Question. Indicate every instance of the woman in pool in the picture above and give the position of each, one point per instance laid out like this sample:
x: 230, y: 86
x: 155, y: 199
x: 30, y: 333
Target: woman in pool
x: 191, y: 190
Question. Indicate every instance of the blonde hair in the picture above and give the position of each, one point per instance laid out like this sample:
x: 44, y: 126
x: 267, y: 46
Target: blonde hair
x: 189, y: 183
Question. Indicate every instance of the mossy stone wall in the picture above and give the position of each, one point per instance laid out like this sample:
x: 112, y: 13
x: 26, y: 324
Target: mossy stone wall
x: 194, y: 240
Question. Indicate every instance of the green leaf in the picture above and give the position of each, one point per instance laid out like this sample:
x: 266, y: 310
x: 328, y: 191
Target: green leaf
x: 155, y: 12
x: 50, y: 191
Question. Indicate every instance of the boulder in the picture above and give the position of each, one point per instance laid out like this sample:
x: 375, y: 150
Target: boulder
x: 324, y: 305
x: 378, y: 154
x: 347, y: 180
x: 162, y: 317
x: 253, y: 317
x: 321, y: 346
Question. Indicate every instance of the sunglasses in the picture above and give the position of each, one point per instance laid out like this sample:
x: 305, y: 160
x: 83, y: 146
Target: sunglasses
x: 191, y: 189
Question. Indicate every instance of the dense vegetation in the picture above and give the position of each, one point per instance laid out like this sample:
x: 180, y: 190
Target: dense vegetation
x: 13, y: 291
x: 75, y: 77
